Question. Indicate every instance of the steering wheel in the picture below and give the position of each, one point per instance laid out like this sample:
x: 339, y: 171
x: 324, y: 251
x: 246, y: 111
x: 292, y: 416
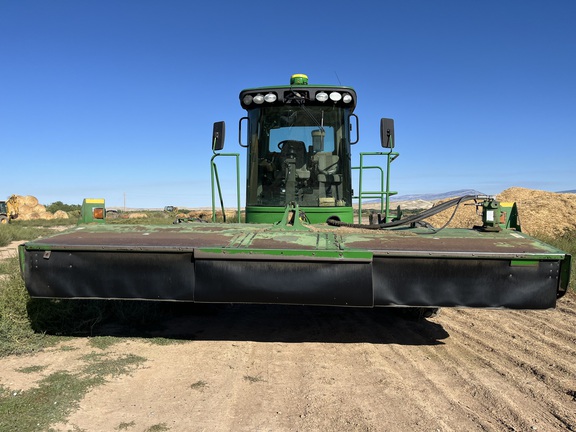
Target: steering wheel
x: 281, y: 144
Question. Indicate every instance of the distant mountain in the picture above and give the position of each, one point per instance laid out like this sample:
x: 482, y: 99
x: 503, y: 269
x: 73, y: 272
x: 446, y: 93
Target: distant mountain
x: 568, y: 191
x: 437, y: 196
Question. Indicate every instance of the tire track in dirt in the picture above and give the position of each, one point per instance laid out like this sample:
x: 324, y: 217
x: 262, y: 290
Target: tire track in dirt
x: 383, y: 386
x: 544, y: 353
x: 540, y: 322
x: 483, y: 389
x: 526, y: 383
x: 437, y: 393
x: 566, y: 307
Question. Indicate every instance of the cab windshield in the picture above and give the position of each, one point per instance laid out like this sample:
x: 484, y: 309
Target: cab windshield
x: 299, y: 154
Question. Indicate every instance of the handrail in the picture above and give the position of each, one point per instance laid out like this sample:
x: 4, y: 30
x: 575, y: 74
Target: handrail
x: 214, y: 176
x: 384, y: 185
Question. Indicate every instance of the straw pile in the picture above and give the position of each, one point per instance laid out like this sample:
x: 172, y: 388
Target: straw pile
x: 465, y: 216
x: 547, y: 213
x: 543, y: 212
x: 28, y: 208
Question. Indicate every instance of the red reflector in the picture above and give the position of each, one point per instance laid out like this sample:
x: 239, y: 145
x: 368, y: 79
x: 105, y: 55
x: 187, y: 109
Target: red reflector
x: 98, y: 213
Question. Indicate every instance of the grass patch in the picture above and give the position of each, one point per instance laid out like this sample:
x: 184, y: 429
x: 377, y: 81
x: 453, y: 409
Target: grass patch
x: 125, y: 426
x: 160, y: 341
x: 102, y: 366
x: 28, y: 325
x: 152, y: 218
x: 27, y: 230
x: 52, y: 401
x: 103, y: 342
x: 58, y: 395
x: 16, y: 333
x: 5, y: 267
x: 89, y: 317
x: 67, y: 348
x: 31, y: 369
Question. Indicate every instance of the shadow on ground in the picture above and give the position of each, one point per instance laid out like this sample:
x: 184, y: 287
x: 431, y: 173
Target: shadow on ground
x: 260, y: 323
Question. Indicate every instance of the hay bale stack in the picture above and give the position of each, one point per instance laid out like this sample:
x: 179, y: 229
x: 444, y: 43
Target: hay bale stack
x: 60, y: 214
x: 30, y: 209
x: 24, y: 209
x: 29, y: 200
x: 199, y: 214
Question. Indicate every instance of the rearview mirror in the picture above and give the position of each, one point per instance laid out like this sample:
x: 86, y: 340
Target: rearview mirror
x: 218, y: 136
x: 387, y: 133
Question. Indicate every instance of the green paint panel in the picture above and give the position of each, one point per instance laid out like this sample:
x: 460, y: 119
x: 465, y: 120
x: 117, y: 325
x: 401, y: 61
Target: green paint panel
x: 526, y: 263
x: 288, y: 253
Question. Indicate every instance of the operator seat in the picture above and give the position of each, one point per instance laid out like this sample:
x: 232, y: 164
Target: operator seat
x: 296, y: 150
x: 328, y: 176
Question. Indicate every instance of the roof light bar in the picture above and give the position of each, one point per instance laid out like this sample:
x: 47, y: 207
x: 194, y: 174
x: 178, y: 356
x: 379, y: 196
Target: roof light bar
x: 335, y: 96
x: 321, y: 96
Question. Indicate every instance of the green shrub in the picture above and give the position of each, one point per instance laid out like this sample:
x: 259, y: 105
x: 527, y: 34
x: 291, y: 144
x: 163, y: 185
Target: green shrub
x: 59, y: 205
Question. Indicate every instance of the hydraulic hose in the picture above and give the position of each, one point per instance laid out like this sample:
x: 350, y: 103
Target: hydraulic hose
x: 412, y: 219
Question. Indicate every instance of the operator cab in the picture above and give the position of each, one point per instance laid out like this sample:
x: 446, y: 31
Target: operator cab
x: 299, y: 149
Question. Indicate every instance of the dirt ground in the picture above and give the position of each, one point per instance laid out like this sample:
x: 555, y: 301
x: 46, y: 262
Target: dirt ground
x: 279, y: 368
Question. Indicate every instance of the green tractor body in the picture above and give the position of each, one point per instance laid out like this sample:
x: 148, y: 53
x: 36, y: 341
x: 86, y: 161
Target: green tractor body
x: 299, y: 151
x: 299, y: 244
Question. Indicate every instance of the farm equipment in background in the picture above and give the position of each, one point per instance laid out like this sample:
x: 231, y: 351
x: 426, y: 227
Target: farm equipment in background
x: 8, y: 209
x: 4, y: 218
x: 300, y: 244
x: 93, y: 211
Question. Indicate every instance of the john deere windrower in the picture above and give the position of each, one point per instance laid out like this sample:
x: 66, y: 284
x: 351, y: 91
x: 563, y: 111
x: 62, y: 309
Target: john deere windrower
x: 301, y: 243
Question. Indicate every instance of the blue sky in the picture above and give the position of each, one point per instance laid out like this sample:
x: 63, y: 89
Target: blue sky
x: 116, y: 99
